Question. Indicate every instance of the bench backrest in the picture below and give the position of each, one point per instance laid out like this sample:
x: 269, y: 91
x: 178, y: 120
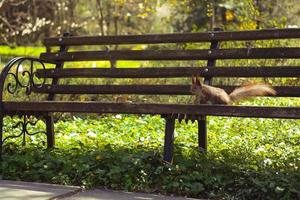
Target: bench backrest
x: 211, y: 53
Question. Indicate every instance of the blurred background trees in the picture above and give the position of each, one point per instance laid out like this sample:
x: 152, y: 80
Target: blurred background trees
x: 24, y: 22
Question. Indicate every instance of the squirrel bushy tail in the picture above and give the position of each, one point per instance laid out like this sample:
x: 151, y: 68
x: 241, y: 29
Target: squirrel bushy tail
x: 256, y: 89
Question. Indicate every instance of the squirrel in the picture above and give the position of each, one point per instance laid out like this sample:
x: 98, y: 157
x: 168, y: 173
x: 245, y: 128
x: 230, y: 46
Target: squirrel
x: 206, y: 94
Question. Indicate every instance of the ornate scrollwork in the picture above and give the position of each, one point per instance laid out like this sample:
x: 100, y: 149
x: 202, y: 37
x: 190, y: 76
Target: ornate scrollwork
x: 25, y: 121
x: 22, y: 78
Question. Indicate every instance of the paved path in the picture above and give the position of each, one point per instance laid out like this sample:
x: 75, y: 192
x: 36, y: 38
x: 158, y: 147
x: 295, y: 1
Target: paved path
x: 99, y: 194
x: 16, y: 190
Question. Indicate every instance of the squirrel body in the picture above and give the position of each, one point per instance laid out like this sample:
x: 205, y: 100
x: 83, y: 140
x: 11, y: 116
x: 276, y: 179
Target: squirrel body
x: 206, y: 94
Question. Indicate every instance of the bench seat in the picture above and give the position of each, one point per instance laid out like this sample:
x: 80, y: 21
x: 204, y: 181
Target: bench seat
x: 148, y: 108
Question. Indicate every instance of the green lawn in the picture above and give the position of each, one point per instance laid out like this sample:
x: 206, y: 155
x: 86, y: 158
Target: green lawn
x: 21, y: 51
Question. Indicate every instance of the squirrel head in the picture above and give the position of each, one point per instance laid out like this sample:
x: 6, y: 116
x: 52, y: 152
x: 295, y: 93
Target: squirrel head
x: 196, y: 84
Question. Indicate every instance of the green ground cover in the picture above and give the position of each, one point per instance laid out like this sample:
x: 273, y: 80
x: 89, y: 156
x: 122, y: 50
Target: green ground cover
x: 21, y: 51
x: 246, y: 159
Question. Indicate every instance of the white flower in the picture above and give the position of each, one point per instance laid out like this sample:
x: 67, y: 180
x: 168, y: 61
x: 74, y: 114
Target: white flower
x: 292, y: 26
x: 267, y: 161
x: 91, y: 134
x: 260, y: 149
x: 20, y: 69
x: 118, y: 116
x: 73, y: 134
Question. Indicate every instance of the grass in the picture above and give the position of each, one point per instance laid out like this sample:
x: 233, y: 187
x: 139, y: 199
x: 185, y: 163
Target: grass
x: 246, y: 159
x: 10, y: 52
x: 21, y: 51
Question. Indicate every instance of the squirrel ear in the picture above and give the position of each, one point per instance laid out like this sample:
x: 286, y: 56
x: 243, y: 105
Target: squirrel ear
x: 193, y: 80
x: 197, y: 81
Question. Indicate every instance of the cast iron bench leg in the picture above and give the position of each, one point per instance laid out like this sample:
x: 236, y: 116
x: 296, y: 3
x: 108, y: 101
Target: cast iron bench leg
x: 169, y: 139
x: 202, y: 134
x: 50, y: 131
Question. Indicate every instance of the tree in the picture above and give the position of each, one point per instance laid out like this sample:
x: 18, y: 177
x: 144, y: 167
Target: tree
x: 27, y: 21
x: 24, y: 21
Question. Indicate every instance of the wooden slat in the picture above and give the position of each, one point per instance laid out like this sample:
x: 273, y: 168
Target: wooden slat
x: 116, y: 89
x: 287, y: 91
x: 134, y: 108
x: 168, y: 72
x: 282, y: 91
x: 239, y: 53
x: 174, y: 38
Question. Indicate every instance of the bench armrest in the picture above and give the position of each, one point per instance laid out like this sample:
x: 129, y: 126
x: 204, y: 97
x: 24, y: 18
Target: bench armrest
x: 20, y: 77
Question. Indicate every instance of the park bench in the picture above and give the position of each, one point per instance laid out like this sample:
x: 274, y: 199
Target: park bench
x: 116, y: 48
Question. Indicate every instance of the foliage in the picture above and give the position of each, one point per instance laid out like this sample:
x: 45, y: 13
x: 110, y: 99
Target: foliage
x: 246, y: 159
x: 27, y: 21
x: 21, y: 51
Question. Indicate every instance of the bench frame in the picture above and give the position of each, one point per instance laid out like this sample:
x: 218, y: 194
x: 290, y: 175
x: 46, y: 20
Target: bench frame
x: 198, y: 113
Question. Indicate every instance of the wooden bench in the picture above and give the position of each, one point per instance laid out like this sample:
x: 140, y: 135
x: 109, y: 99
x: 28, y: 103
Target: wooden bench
x: 170, y: 111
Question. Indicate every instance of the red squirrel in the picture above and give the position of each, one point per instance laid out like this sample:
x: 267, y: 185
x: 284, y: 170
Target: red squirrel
x: 206, y: 94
